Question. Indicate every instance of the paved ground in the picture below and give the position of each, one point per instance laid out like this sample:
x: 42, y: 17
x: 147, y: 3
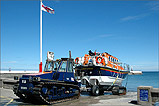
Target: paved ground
x: 8, y: 98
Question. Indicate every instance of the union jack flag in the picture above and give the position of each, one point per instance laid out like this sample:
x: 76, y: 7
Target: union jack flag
x: 47, y: 9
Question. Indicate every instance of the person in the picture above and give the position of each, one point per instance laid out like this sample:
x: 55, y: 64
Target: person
x: 91, y: 53
x: 9, y: 69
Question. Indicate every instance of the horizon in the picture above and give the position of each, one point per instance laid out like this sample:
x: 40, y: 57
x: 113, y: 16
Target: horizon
x: 43, y: 67
x: 126, y: 29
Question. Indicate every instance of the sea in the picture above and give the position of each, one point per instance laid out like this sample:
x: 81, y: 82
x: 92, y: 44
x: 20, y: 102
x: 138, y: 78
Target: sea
x: 146, y: 79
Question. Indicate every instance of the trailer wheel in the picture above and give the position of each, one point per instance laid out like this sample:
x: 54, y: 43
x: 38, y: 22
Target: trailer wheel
x: 122, y: 91
x: 101, y: 92
x: 115, y: 90
x: 119, y: 90
x: 95, y: 90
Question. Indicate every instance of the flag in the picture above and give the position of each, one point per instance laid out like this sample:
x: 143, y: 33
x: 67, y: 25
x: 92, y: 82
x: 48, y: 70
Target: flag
x: 47, y: 9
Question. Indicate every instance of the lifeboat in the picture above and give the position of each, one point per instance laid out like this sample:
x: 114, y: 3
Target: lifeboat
x: 101, y: 72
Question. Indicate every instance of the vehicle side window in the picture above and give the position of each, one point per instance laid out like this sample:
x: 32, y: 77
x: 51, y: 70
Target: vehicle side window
x: 63, y: 67
x: 70, y: 68
x: 48, y: 66
x: 55, y: 66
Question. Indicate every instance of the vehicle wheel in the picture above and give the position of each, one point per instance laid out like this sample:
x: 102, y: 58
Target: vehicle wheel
x: 95, y: 90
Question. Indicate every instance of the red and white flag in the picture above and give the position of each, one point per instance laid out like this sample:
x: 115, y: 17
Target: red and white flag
x: 47, y: 9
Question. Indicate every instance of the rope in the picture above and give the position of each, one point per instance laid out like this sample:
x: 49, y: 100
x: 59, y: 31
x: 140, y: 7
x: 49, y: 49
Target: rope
x: 126, y: 80
x: 113, y: 83
x: 11, y: 100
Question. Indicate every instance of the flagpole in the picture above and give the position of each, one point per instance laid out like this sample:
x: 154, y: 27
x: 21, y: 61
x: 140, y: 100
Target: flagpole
x: 40, y: 65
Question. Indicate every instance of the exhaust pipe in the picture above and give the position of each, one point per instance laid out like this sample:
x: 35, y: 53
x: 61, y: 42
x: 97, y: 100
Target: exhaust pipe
x: 70, y: 54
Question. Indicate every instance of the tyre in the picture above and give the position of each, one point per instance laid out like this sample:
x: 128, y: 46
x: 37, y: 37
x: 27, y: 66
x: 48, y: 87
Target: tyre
x: 95, y: 90
x: 101, y: 92
x: 122, y: 90
x: 119, y: 90
x: 115, y: 90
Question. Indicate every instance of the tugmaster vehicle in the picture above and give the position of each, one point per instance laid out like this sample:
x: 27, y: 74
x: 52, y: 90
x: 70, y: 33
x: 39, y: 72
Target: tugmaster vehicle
x: 55, y: 84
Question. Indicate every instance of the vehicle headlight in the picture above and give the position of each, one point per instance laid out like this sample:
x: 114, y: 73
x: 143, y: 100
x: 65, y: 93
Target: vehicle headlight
x: 16, y: 78
x: 23, y: 81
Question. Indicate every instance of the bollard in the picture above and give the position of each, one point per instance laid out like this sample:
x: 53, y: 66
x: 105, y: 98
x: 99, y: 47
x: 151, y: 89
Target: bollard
x: 147, y: 95
x: 144, y: 95
x: 155, y: 96
x: 1, y: 83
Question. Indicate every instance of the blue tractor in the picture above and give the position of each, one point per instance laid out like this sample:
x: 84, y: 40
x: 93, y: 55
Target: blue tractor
x: 56, y: 83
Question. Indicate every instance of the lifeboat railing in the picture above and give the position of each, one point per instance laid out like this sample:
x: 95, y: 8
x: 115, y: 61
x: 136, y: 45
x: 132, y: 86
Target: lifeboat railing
x: 92, y: 61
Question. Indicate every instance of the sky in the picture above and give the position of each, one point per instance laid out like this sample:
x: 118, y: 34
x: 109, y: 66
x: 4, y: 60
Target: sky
x: 127, y: 30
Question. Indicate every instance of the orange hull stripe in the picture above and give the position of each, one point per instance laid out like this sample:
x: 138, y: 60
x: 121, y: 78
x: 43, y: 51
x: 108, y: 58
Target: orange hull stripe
x: 113, y: 71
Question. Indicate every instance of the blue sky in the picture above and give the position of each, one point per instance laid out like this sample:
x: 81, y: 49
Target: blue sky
x: 125, y: 29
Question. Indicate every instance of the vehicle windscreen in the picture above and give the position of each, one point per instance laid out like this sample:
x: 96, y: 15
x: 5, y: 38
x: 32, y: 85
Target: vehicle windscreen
x: 51, y: 66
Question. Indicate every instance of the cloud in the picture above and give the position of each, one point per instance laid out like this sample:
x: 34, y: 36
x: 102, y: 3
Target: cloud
x: 10, y: 62
x: 57, y: 1
x: 105, y: 35
x: 146, y: 66
x: 153, y: 5
x: 98, y: 37
x: 136, y: 17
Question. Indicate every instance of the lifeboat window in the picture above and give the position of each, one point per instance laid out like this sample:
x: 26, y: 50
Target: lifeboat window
x: 70, y: 68
x: 63, y: 67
